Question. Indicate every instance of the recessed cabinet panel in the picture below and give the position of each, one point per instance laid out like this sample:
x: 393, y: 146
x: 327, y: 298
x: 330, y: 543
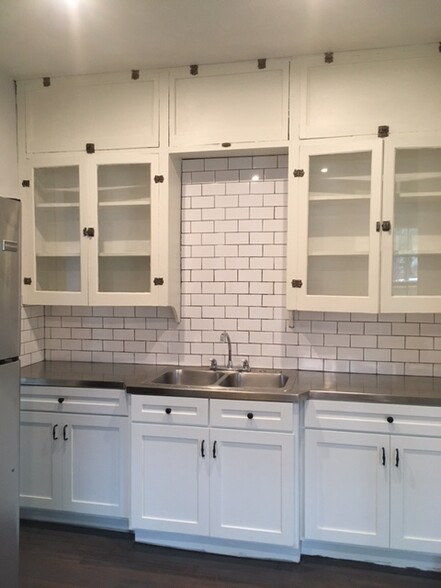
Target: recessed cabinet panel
x: 358, y: 92
x: 111, y: 111
x: 229, y: 103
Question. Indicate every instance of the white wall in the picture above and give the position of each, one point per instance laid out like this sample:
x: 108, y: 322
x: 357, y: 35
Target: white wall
x: 8, y: 139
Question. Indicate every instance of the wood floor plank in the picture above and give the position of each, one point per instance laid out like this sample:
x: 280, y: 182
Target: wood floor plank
x: 54, y: 556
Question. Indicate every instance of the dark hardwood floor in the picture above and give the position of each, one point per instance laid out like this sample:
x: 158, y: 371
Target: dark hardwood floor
x: 55, y: 556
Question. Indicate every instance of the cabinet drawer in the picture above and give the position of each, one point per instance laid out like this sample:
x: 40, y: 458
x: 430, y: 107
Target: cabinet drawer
x: 400, y: 419
x: 172, y: 410
x: 254, y: 416
x: 74, y: 400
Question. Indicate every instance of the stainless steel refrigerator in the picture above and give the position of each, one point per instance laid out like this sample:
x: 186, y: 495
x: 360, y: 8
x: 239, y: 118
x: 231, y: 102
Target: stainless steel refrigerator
x: 10, y: 211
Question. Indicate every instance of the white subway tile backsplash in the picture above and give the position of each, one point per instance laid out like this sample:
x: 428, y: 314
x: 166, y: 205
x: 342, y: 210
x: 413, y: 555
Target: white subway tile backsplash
x: 234, y: 278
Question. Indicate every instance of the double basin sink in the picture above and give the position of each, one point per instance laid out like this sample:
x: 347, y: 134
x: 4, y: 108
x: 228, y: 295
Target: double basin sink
x: 224, y: 379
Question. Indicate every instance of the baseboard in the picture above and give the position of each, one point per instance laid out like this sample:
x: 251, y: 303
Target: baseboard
x: 71, y: 518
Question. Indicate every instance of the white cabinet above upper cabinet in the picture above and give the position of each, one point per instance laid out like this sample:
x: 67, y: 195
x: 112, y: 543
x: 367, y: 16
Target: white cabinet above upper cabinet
x: 229, y: 103
x: 112, y: 111
x: 353, y: 93
x: 365, y: 235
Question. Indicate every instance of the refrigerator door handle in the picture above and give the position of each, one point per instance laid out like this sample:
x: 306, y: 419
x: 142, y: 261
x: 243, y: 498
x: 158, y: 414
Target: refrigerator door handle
x: 9, y: 245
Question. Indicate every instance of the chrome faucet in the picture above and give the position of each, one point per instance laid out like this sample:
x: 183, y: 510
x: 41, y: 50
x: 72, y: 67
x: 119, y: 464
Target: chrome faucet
x: 225, y: 337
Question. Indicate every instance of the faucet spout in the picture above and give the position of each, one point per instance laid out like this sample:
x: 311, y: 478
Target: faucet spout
x: 225, y: 337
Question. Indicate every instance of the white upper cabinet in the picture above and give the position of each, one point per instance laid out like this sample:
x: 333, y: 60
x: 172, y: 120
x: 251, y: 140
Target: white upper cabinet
x: 365, y: 232
x: 338, y: 200
x: 93, y: 233
x: 411, y: 259
x: 359, y: 91
x: 230, y: 103
x: 112, y: 111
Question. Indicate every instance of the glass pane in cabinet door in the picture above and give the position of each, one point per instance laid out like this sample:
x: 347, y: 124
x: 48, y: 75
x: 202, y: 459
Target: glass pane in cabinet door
x: 416, y: 269
x: 338, y: 225
x: 124, y: 227
x: 57, y: 228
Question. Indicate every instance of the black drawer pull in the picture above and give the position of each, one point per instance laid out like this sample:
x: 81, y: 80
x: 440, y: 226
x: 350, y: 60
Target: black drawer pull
x: 390, y: 419
x: 61, y: 400
x: 397, y: 457
x: 203, y: 448
x: 214, y: 449
x: 54, y: 432
x: 250, y: 415
x: 168, y: 411
x: 383, y: 456
x: 65, y: 437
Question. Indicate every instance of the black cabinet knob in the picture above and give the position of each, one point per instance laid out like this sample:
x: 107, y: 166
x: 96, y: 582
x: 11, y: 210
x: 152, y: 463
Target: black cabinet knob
x: 250, y: 415
x: 390, y: 419
x: 61, y: 400
x: 168, y: 411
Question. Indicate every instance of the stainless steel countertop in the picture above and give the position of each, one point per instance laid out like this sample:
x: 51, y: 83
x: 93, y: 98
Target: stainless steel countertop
x: 136, y: 379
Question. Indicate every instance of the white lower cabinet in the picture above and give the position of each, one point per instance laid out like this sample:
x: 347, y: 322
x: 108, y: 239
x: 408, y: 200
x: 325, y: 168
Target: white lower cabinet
x: 379, y: 488
x: 74, y: 463
x: 214, y: 482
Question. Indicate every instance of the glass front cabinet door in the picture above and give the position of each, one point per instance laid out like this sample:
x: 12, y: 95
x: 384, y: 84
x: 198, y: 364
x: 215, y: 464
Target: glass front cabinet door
x: 411, y: 249
x: 337, y: 189
x: 90, y: 229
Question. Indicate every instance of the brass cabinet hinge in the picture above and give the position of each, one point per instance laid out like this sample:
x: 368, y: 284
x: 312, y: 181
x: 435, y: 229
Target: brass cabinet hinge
x: 90, y: 148
x: 329, y: 57
x: 383, y: 131
x: 261, y: 63
x: 135, y: 74
x: 194, y: 70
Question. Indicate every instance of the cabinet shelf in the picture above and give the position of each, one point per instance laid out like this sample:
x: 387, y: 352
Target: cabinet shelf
x: 124, y: 187
x: 133, y: 202
x: 318, y: 196
x: 125, y: 249
x: 49, y: 205
x: 436, y: 194
x: 338, y: 246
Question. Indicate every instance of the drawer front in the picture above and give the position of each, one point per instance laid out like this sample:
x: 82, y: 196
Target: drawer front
x: 74, y: 400
x: 252, y: 416
x: 170, y: 410
x: 400, y: 419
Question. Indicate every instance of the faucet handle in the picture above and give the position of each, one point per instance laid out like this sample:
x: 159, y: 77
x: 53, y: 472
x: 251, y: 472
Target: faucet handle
x: 246, y: 365
x: 213, y: 364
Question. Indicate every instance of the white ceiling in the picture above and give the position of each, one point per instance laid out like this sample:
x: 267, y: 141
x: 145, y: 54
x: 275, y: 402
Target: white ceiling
x: 60, y: 37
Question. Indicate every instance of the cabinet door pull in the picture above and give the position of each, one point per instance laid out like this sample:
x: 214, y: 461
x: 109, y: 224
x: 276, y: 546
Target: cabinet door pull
x: 65, y: 437
x: 54, y: 432
x: 383, y: 456
x: 61, y: 400
x: 390, y: 419
x: 168, y: 411
x: 203, y: 448
x: 250, y: 415
x: 214, y: 449
x: 397, y: 457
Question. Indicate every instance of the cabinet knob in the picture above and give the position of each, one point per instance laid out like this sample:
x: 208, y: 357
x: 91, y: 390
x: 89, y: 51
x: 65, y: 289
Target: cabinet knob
x: 390, y: 419
x: 250, y: 415
x: 61, y: 400
x: 168, y: 411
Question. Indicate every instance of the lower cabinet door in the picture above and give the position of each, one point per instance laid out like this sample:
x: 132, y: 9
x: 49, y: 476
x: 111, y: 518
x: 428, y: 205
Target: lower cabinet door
x: 95, y: 464
x: 252, y: 486
x: 347, y: 487
x: 416, y: 494
x: 40, y: 461
x: 170, y: 473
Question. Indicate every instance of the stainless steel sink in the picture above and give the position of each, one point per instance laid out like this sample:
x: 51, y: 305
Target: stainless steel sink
x: 182, y: 377
x: 254, y: 380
